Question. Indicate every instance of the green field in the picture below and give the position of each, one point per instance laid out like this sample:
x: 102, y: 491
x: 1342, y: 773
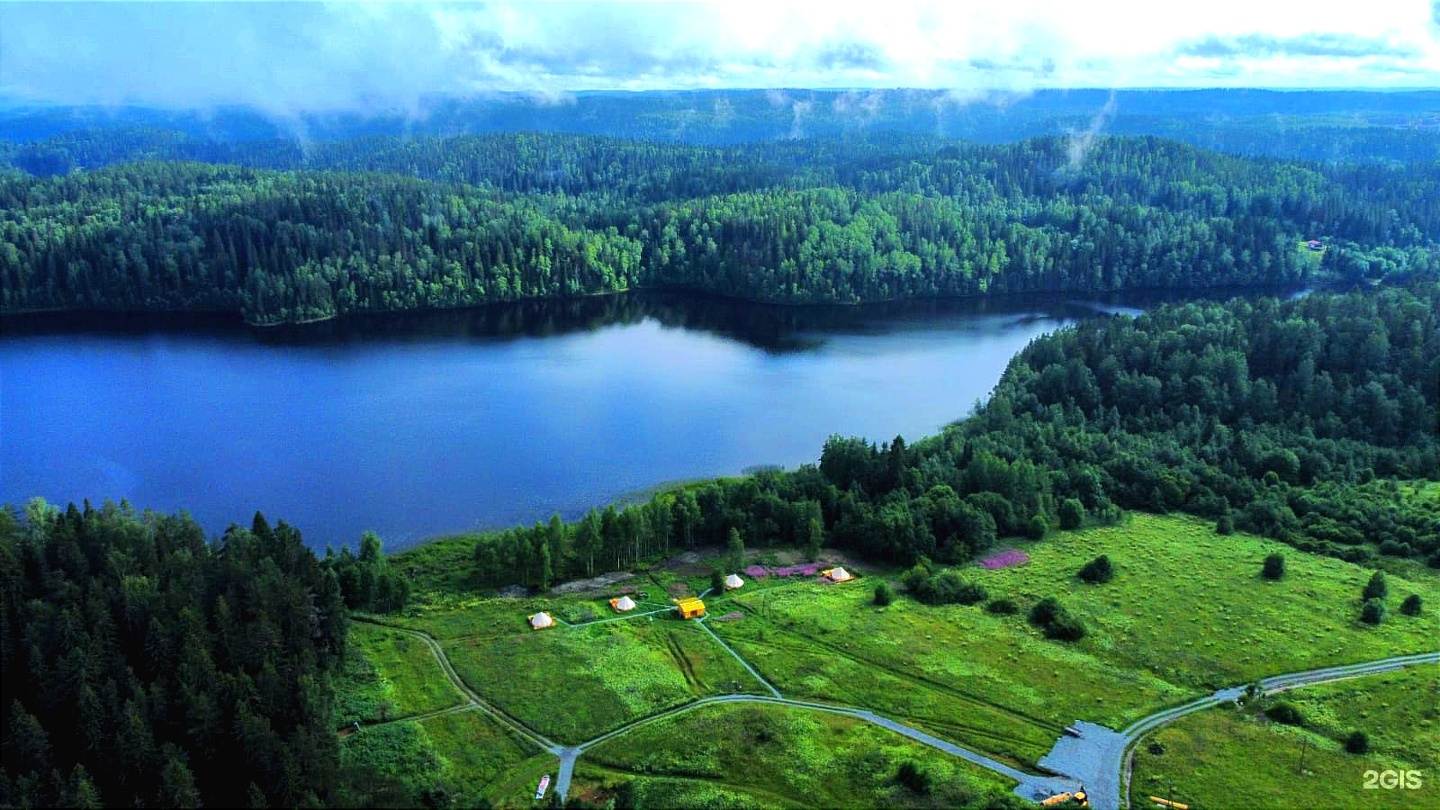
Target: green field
x: 1190, y: 606
x: 600, y: 785
x: 1228, y: 758
x: 390, y: 675
x: 799, y: 757
x: 574, y: 683
x: 475, y: 752
x: 1187, y: 612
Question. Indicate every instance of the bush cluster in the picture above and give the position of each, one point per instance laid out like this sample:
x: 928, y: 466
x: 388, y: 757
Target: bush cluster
x: 1056, y: 622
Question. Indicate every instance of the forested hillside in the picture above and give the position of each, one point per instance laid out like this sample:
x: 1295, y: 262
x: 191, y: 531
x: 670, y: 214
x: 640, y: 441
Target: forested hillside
x: 147, y: 666
x: 1363, y: 127
x: 499, y: 218
x: 1295, y: 420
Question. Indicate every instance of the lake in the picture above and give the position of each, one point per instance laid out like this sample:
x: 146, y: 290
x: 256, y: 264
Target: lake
x: 420, y: 425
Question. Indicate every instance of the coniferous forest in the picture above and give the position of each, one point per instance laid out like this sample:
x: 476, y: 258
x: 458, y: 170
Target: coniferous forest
x: 148, y: 664
x: 385, y: 224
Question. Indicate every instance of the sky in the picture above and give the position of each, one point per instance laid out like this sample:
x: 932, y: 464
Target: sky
x: 319, y: 56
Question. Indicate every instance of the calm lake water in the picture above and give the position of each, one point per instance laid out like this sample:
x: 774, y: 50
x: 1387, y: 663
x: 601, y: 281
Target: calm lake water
x: 422, y: 425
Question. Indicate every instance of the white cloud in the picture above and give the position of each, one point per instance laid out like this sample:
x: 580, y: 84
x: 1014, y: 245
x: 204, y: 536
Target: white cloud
x: 315, y: 56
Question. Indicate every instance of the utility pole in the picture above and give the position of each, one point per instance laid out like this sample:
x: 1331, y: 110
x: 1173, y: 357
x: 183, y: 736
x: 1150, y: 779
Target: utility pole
x: 1304, y: 744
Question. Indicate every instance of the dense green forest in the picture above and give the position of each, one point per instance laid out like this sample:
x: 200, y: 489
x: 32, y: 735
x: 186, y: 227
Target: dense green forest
x: 147, y: 666
x: 1294, y: 420
x: 1330, y: 126
x: 501, y: 218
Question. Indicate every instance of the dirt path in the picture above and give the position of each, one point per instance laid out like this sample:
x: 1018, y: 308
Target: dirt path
x: 743, y: 662
x: 479, y: 703
x: 1097, y: 759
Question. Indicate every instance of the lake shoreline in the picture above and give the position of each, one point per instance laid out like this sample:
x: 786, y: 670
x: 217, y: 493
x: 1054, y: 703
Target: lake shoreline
x: 23, y: 321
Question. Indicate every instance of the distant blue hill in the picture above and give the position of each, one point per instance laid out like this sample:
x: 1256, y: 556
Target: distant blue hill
x: 1311, y: 125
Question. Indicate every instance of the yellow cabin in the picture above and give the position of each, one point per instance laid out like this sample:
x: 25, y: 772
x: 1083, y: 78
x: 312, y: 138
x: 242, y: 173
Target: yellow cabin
x: 691, y: 608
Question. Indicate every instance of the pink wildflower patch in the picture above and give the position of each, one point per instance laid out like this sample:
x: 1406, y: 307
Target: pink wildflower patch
x: 756, y: 571
x: 1005, y: 559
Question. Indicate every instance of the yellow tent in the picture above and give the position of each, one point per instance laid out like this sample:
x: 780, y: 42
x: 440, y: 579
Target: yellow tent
x: 690, y: 608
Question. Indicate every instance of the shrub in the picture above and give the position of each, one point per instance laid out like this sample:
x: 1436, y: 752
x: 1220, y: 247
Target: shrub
x: 1358, y: 743
x: 970, y: 593
x: 1274, y: 567
x: 1373, y: 612
x: 884, y: 594
x: 1038, y: 527
x: 1065, y: 628
x: 913, y: 777
x: 1283, y: 712
x: 949, y: 588
x: 1055, y: 621
x: 914, y: 579
x: 717, y: 583
x: 1045, y: 611
x: 1226, y: 524
x: 1072, y: 513
x: 1412, y: 605
x: 1098, y: 570
x: 1376, y: 587
x: 1002, y: 607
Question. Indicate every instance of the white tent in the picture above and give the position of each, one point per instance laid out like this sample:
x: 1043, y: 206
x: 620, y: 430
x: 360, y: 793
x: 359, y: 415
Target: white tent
x: 733, y: 581
x: 624, y: 603
x: 840, y: 575
x: 541, y: 620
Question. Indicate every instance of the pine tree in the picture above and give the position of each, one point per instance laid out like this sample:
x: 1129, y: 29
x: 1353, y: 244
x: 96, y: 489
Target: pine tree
x: 734, y: 550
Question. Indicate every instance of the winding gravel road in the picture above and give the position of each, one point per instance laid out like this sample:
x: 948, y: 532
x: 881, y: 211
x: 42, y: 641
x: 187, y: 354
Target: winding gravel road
x: 1098, y: 759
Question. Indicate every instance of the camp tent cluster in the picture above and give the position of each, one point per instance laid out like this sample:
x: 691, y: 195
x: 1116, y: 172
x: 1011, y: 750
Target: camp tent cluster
x: 622, y: 605
x: 837, y: 574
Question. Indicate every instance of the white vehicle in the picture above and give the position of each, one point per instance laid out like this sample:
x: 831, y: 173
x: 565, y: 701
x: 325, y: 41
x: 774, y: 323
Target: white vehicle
x: 544, y: 784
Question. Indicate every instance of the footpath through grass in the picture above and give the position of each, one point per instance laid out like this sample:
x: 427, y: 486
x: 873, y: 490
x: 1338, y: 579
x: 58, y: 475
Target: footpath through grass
x: 389, y: 675
x: 575, y: 683
x: 802, y: 757
x: 1187, y: 612
x: 1228, y: 758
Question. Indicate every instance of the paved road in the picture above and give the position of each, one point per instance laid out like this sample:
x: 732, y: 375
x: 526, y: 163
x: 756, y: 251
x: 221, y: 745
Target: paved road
x: 1099, y: 758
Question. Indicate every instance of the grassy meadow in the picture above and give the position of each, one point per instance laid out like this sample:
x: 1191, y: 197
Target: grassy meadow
x: 476, y: 752
x: 574, y: 683
x: 800, y: 757
x: 389, y: 675
x: 1191, y: 607
x: 1229, y: 758
x: 1187, y: 612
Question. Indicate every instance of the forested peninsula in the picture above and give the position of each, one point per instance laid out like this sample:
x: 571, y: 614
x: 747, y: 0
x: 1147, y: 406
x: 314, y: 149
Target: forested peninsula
x: 389, y: 224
